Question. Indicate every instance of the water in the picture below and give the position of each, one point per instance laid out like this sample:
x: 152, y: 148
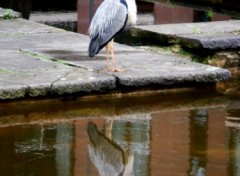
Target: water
x: 184, y: 132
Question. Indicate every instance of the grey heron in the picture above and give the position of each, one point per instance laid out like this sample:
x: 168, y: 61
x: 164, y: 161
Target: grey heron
x: 111, y: 17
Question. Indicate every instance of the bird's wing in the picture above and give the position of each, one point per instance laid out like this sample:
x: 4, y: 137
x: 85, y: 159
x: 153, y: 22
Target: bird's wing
x: 108, y: 20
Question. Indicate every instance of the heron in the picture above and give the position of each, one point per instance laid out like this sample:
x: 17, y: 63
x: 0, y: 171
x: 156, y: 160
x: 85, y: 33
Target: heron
x: 111, y: 17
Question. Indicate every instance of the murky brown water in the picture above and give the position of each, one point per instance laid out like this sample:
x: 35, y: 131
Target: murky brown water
x: 190, y: 133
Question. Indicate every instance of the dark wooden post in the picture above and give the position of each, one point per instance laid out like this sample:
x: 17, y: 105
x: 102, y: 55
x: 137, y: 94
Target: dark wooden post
x: 86, y: 9
x: 22, y: 6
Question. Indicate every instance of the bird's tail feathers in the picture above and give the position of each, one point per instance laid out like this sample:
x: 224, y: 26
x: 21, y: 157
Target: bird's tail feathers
x: 94, y: 47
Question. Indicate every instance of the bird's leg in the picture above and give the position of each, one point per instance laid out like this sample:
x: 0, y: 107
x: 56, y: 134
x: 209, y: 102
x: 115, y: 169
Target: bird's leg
x: 112, y: 53
x: 113, y: 58
x: 107, y: 50
x: 110, y: 48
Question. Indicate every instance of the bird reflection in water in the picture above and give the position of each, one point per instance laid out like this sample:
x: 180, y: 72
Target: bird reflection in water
x: 106, y: 155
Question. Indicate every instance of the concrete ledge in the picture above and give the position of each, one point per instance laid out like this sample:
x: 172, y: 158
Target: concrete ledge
x: 63, y: 20
x: 211, y: 41
x: 208, y: 35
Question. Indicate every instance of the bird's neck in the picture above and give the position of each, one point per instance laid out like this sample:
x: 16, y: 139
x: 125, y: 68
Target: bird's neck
x: 132, y: 12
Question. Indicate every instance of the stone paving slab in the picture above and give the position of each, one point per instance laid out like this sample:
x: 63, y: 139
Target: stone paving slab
x: 23, y: 76
x: 36, y: 64
x: 144, y: 69
x: 51, y: 41
x: 20, y: 26
x: 209, y: 35
x: 211, y: 41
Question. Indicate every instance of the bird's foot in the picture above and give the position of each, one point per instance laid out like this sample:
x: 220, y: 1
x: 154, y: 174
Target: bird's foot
x: 118, y: 70
x: 114, y: 69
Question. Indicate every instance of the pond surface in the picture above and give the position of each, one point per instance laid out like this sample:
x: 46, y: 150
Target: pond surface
x: 188, y: 132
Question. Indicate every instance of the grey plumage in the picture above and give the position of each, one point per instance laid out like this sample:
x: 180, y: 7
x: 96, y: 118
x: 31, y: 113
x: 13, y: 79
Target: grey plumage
x: 109, y: 19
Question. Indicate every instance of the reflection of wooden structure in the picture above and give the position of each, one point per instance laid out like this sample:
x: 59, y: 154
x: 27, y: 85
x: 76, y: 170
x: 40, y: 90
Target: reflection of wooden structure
x: 172, y: 146
x: 233, y: 122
